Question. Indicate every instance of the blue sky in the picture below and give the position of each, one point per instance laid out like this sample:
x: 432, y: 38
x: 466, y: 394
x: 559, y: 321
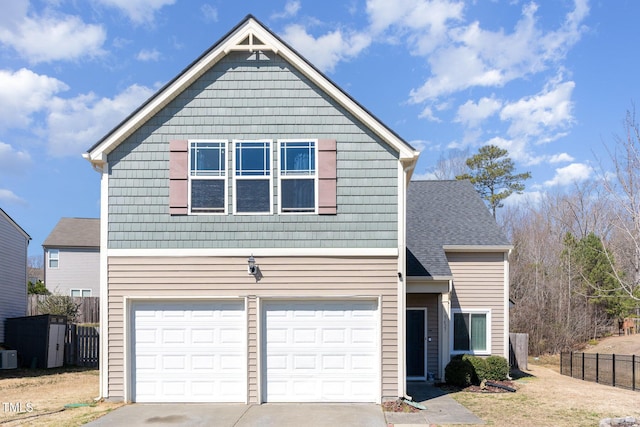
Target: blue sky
x: 550, y: 81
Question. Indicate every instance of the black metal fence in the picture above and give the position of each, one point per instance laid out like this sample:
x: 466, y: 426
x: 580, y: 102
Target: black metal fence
x: 81, y: 345
x: 616, y: 370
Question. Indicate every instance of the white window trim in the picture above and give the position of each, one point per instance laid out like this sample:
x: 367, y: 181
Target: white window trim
x: 236, y: 178
x: 225, y: 178
x: 56, y: 258
x: 81, y: 290
x: 281, y: 177
x: 486, y: 311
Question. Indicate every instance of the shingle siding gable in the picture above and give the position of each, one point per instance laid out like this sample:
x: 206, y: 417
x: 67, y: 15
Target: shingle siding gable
x: 241, y: 98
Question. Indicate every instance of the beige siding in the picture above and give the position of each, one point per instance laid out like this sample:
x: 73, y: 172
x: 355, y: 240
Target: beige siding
x: 282, y: 277
x: 478, y: 282
x: 430, y: 302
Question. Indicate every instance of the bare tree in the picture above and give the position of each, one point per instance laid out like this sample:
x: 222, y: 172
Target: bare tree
x: 451, y: 164
x: 623, y: 190
x: 35, y: 266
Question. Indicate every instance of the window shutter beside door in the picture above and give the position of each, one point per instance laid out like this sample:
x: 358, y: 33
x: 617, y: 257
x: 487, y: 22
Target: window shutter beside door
x: 178, y: 177
x: 327, y: 177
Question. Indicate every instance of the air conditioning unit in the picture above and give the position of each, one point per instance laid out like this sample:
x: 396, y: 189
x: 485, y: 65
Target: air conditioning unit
x: 8, y: 359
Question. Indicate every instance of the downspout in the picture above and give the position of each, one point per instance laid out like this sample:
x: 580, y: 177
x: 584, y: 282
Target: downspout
x: 407, y: 168
x: 102, y: 167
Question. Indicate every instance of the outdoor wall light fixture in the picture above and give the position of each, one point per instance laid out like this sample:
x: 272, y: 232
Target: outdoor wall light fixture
x: 253, y: 268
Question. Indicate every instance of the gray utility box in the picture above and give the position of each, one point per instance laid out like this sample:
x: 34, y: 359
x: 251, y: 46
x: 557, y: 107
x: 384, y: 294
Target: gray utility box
x: 39, y: 340
x: 8, y: 359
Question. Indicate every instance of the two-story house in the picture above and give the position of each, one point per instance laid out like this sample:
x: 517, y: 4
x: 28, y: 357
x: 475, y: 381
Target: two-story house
x: 72, y: 257
x: 14, y: 242
x: 253, y: 238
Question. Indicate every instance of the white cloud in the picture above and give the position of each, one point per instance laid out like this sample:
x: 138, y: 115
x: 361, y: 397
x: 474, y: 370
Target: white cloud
x: 291, y: 9
x: 327, y: 50
x: 209, y: 13
x: 13, y: 160
x: 575, y: 172
x: 148, y: 55
x: 470, y: 56
x: 546, y: 111
x: 560, y: 158
x: 23, y: 93
x: 423, y: 22
x: 427, y: 113
x: 471, y: 113
x: 76, y: 124
x: 138, y: 11
x: 52, y: 37
x: 9, y: 197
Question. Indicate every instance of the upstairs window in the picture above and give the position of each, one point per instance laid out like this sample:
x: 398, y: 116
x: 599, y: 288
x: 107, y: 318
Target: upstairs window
x: 54, y: 258
x: 298, y: 176
x: 207, y: 176
x: 252, y: 177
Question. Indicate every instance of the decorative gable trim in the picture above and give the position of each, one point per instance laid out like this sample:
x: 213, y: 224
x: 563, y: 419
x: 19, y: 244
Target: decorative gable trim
x: 327, y: 177
x: 178, y: 177
x: 249, y: 35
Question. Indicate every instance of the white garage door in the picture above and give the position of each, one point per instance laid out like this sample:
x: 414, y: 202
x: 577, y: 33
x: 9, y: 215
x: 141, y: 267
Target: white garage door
x: 321, y: 351
x: 189, y: 352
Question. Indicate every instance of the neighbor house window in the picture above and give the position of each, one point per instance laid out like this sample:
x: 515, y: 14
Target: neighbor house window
x: 298, y: 176
x: 207, y: 176
x: 471, y: 331
x: 81, y: 293
x: 252, y: 177
x: 54, y: 258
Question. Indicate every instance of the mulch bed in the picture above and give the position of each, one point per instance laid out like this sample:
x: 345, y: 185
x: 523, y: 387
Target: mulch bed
x: 398, y: 406
x: 491, y: 389
x: 479, y: 389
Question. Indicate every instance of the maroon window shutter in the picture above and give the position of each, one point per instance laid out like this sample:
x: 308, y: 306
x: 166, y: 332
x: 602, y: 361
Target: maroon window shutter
x: 178, y: 177
x: 327, y: 177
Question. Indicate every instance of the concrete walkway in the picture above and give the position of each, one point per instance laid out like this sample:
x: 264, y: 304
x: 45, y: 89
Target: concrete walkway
x: 441, y: 408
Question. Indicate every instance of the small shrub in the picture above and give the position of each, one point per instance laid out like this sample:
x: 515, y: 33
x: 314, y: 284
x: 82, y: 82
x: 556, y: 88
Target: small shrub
x: 458, y: 372
x: 479, y: 368
x: 497, y: 368
x: 62, y: 305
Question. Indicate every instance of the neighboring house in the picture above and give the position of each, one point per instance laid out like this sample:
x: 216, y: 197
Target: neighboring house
x: 14, y: 242
x: 457, y: 277
x: 72, y: 257
x: 253, y: 237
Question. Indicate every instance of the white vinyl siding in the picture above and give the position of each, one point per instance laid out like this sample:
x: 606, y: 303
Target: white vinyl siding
x: 79, y: 269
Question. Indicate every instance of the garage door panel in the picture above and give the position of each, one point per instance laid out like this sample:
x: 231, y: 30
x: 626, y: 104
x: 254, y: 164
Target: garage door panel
x: 189, y: 352
x: 321, y: 351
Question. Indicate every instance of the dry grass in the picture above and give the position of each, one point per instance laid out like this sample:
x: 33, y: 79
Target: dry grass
x: 47, y: 392
x: 546, y: 398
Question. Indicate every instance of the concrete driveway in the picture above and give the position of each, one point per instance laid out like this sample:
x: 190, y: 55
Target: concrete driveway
x: 239, y: 415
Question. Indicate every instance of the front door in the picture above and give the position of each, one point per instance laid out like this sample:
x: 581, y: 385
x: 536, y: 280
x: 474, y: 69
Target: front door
x: 416, y: 339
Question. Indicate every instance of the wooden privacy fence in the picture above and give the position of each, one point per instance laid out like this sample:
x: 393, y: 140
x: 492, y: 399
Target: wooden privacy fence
x: 88, y: 308
x: 616, y: 370
x: 81, y: 345
x: 518, y: 351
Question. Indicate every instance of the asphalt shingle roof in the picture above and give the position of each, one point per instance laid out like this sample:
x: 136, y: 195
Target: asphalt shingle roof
x: 74, y: 233
x: 442, y: 213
